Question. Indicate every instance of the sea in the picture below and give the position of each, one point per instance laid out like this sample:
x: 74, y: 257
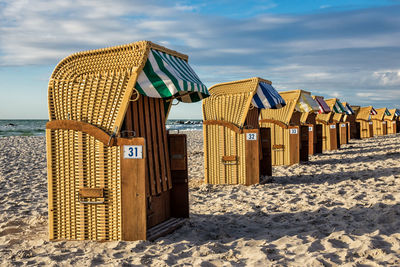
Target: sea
x: 37, y: 127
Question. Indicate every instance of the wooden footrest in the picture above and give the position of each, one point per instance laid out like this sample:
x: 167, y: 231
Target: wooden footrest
x: 164, y: 228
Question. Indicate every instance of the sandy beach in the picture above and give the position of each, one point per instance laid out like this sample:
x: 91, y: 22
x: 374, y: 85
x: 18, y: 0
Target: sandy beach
x: 340, y: 209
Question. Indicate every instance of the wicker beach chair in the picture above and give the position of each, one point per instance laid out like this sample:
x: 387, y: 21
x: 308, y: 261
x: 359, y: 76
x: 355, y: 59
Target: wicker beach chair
x: 325, y: 118
x: 114, y: 172
x: 350, y: 117
x: 379, y: 121
x: 236, y: 149
x: 290, y: 136
x: 394, y: 121
x: 364, y: 117
x: 339, y: 113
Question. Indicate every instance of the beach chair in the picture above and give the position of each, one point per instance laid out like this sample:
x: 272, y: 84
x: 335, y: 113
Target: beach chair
x: 379, y: 122
x: 395, y: 115
x: 325, y: 118
x: 350, y: 117
x: 315, y: 130
x: 363, y: 116
x: 289, y: 137
x: 391, y: 121
x: 236, y: 149
x: 114, y: 172
x: 342, y: 127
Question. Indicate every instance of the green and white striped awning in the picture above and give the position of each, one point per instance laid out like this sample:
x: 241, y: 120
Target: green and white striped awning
x: 338, y: 107
x: 167, y: 76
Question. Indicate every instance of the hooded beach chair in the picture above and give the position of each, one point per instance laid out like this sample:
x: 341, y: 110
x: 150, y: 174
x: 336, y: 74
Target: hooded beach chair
x: 236, y: 149
x: 391, y: 121
x: 339, y: 113
x: 325, y: 118
x: 379, y: 122
x: 114, y: 172
x: 289, y: 138
x: 350, y: 117
x: 363, y: 116
x: 395, y: 115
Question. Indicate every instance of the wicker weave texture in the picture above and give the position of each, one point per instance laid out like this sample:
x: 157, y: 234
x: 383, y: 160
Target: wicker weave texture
x: 229, y: 102
x: 283, y: 115
x: 279, y: 137
x: 77, y: 160
x: 221, y: 141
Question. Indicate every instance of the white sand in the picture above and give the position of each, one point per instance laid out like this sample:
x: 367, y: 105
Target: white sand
x: 341, y: 208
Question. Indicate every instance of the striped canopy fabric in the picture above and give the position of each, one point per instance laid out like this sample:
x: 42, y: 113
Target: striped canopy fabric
x: 323, y: 107
x: 338, y: 107
x: 267, y: 97
x: 167, y: 76
x: 387, y: 113
x: 397, y: 112
x: 348, y: 109
x: 306, y: 103
x: 373, y: 111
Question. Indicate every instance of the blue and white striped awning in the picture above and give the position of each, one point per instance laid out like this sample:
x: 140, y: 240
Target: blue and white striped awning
x: 397, y: 113
x: 348, y: 109
x: 167, y: 76
x: 267, y: 97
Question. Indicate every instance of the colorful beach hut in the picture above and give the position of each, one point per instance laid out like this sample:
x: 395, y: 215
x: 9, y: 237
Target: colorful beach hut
x: 289, y: 138
x: 379, y: 122
x: 325, y: 118
x: 363, y: 116
x: 236, y: 149
x: 114, y: 172
x: 350, y: 117
x: 339, y: 113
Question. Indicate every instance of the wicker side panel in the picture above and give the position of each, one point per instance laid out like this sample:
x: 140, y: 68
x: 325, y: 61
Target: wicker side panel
x: 391, y: 126
x: 280, y: 150
x: 94, y: 98
x: 365, y: 129
x: 231, y: 108
x: 378, y: 127
x: 220, y: 142
x: 283, y: 114
x: 80, y: 161
x: 337, y: 117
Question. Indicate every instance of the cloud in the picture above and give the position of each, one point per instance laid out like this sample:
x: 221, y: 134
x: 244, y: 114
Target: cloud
x: 347, y: 54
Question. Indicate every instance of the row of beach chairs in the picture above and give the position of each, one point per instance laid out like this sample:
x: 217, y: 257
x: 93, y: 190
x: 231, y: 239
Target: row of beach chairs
x: 116, y: 173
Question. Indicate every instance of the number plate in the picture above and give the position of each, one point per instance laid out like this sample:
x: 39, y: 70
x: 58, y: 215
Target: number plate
x: 342, y: 125
x: 293, y: 131
x: 333, y: 126
x: 370, y: 122
x: 393, y: 122
x: 310, y: 129
x: 133, y: 152
x: 251, y: 136
x: 384, y: 122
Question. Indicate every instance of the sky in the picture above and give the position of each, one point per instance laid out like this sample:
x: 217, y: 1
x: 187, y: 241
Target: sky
x: 334, y: 48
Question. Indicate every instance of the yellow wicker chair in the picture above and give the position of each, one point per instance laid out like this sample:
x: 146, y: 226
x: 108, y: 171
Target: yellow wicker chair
x: 236, y: 149
x: 325, y: 118
x: 290, y: 137
x: 114, y: 172
x: 366, y: 124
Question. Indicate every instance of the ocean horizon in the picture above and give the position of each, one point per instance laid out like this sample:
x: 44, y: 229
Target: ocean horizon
x: 37, y: 127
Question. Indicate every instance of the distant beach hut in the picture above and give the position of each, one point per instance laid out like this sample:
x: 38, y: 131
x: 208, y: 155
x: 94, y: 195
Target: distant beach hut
x: 339, y: 113
x: 379, y: 122
x: 289, y: 138
x: 363, y: 116
x: 396, y: 117
x: 236, y: 149
x: 391, y: 121
x: 315, y: 129
x: 114, y: 172
x: 350, y: 117
x: 325, y: 118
